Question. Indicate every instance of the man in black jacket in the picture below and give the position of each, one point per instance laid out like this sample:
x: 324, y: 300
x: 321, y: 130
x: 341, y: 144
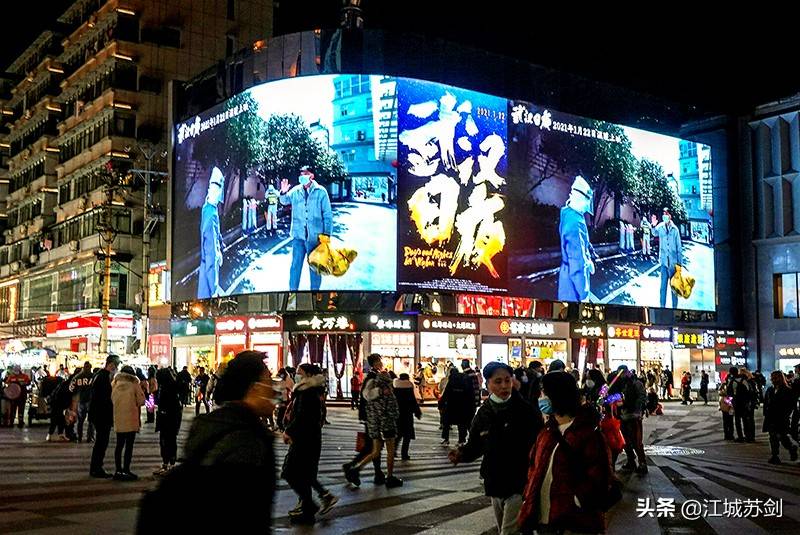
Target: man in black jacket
x: 81, y: 386
x: 101, y: 414
x: 503, y: 432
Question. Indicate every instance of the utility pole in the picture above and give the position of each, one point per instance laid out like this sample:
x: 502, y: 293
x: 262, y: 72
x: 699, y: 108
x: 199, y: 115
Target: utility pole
x: 150, y: 221
x: 107, y: 233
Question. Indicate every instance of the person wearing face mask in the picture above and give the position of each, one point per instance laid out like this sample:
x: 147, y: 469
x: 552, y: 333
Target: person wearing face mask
x: 503, y: 432
x: 670, y: 254
x: 229, y: 451
x: 312, y: 222
x: 211, y: 245
x: 101, y: 415
x: 570, y: 471
x: 577, y: 253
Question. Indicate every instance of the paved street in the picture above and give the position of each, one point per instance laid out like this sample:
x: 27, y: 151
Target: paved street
x: 44, y: 488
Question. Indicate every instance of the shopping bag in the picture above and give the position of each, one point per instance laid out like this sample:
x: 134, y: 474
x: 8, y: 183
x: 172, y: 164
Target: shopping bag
x: 682, y: 282
x: 361, y: 441
x: 327, y: 260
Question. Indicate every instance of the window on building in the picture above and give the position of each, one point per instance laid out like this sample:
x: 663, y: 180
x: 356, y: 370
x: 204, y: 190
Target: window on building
x: 345, y: 110
x: 231, y: 11
x: 230, y: 45
x: 785, y: 295
x: 694, y: 189
x: 361, y: 135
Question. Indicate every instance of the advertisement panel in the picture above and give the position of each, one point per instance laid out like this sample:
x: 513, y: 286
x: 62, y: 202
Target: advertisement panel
x: 376, y: 183
x: 266, y: 177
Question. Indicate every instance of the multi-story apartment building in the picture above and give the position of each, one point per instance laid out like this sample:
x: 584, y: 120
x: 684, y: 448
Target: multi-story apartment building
x: 89, y: 94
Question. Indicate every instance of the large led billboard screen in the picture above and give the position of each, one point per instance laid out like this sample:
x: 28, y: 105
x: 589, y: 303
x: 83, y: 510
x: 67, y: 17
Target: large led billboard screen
x: 375, y: 183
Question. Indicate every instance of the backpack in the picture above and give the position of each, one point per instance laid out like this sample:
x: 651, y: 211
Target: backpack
x: 741, y: 395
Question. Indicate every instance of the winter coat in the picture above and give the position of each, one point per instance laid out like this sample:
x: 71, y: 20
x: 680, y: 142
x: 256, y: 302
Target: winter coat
x: 128, y: 398
x: 81, y: 386
x: 362, y: 405
x: 778, y: 406
x: 408, y: 407
x: 458, y: 400
x: 305, y: 430
x: 476, y: 385
x: 503, y: 433
x: 168, y: 416
x: 230, y: 453
x: 742, y: 394
x: 101, y: 409
x: 570, y: 482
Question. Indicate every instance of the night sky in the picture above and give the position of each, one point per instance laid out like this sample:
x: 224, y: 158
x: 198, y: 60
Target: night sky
x: 721, y: 62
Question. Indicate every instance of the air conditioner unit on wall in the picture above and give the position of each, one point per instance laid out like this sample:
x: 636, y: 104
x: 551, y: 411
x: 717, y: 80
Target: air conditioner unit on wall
x: 34, y: 258
x: 15, y: 265
x: 74, y: 245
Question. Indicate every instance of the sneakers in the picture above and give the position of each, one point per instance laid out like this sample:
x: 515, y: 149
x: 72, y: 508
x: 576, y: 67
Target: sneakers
x: 406, y: 458
x: 641, y: 469
x: 380, y: 478
x: 100, y: 474
x: 445, y: 443
x: 47, y: 438
x: 393, y: 482
x: 351, y: 475
x: 297, y: 509
x: 774, y: 460
x: 327, y: 501
x: 303, y: 516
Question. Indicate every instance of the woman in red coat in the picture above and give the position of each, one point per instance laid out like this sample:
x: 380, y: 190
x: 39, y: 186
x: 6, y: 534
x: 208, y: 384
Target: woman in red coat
x: 570, y: 465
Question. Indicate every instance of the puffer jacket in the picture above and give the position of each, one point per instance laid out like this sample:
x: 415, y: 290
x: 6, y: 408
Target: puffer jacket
x: 128, y: 398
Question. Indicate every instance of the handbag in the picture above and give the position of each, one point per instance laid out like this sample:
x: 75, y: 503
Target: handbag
x: 361, y: 441
x: 682, y: 282
x: 327, y: 260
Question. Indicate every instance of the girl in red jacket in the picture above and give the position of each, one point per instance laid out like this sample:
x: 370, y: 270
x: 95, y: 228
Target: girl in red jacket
x: 570, y: 468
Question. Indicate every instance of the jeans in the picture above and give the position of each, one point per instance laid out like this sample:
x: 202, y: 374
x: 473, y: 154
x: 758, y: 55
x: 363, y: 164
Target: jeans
x: 204, y: 401
x: 168, y: 443
x: 462, y: 432
x: 102, y: 433
x: 272, y: 217
x: 632, y: 432
x: 83, y: 411
x: 56, y: 421
x: 300, y: 251
x: 124, y: 440
x: 505, y: 513
x: 18, y: 410
x: 744, y: 417
x: 666, y: 275
x: 727, y: 426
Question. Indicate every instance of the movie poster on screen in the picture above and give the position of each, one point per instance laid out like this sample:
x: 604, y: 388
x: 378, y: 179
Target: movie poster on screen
x: 288, y: 186
x: 452, y: 153
x: 604, y: 213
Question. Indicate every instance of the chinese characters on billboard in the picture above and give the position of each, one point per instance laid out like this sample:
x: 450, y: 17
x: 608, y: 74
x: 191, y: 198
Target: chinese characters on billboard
x: 375, y: 183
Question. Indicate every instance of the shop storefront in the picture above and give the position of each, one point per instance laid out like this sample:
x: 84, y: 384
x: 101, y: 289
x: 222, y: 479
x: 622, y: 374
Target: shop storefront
x: 265, y: 334
x: 623, y: 346
x: 692, y: 352
x: 520, y: 342
x: 447, y: 340
x: 159, y: 350
x: 193, y: 344
x: 588, y: 346
x: 393, y: 336
x: 730, y: 350
x: 655, y: 349
x: 788, y: 357
x: 332, y: 341
x: 231, y: 334
x: 76, y: 337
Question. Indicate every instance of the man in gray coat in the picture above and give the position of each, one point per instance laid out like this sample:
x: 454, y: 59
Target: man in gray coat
x: 670, y: 254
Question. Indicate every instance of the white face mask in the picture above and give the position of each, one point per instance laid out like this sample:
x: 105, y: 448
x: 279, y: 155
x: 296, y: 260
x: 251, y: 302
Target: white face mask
x: 590, y: 383
x: 304, y: 180
x: 665, y: 218
x: 214, y: 194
